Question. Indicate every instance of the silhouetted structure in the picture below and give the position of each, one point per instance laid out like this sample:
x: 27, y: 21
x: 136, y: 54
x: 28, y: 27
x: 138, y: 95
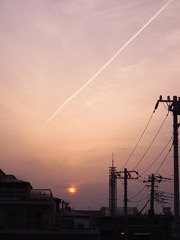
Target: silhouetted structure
x: 26, y: 213
x: 112, y: 190
x: 25, y: 208
x: 173, y: 105
x: 139, y: 228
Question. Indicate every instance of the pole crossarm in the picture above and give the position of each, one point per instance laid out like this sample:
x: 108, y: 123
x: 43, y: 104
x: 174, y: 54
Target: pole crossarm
x: 157, y: 178
x: 153, y: 180
x: 173, y: 104
x: 129, y: 175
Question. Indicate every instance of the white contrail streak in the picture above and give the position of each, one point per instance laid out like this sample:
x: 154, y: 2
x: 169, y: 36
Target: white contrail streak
x: 107, y: 63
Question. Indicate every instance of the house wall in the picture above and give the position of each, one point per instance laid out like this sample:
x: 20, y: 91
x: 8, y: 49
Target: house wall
x: 32, y: 216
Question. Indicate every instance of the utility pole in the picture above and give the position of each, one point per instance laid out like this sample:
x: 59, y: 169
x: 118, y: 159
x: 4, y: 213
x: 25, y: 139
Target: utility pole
x: 153, y: 179
x: 174, y: 107
x: 126, y: 175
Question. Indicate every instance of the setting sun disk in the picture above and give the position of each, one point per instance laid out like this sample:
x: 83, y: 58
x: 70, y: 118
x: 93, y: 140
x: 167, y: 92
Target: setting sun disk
x: 72, y: 190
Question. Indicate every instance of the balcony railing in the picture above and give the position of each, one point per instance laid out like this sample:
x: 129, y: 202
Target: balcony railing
x: 41, y: 193
x: 17, y: 194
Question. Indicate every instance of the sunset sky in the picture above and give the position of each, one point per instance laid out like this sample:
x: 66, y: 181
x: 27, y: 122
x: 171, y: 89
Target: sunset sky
x: 49, y: 50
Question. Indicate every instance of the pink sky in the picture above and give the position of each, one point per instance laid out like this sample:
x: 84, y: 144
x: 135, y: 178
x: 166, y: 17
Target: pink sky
x: 49, y: 50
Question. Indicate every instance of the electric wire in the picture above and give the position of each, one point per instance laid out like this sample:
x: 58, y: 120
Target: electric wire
x: 144, y: 206
x: 140, y: 211
x: 164, y: 158
x: 136, y: 180
x: 162, y: 193
x: 138, y: 201
x: 137, y: 193
x: 166, y: 106
x: 138, y: 140
x: 151, y: 142
x: 157, y: 157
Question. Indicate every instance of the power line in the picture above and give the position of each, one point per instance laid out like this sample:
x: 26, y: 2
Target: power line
x: 137, y: 193
x: 138, y: 140
x: 140, y: 211
x: 165, y: 158
x: 157, y: 156
x: 151, y: 142
x: 138, y: 201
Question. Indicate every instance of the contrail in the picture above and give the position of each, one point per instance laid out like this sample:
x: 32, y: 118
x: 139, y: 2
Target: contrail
x: 108, y: 62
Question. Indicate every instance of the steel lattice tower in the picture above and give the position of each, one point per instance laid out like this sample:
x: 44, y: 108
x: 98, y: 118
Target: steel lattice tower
x: 112, y: 190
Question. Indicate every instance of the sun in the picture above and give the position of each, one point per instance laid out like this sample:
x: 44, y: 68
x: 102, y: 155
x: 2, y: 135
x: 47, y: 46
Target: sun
x: 72, y: 190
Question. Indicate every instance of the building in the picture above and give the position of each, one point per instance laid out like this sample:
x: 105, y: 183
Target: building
x: 25, y: 208
x: 139, y: 227
x: 26, y: 212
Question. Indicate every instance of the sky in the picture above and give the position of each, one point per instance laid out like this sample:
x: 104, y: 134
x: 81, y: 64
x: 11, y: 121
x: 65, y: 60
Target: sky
x: 50, y: 49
